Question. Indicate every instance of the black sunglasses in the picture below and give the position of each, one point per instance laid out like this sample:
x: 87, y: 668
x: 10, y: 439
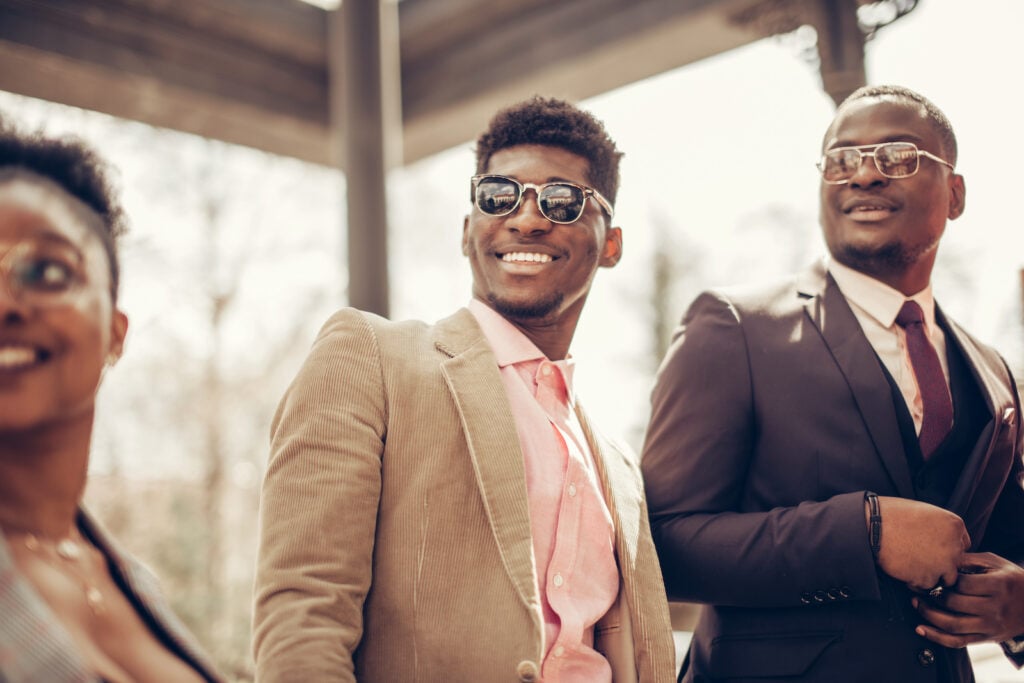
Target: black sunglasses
x: 559, y: 202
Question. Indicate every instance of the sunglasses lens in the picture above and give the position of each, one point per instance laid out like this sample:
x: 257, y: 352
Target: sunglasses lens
x: 562, y: 203
x: 897, y: 159
x: 840, y: 164
x: 496, y: 196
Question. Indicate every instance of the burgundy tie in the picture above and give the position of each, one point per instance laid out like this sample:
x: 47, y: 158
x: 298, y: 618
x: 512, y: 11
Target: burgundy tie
x: 938, y: 408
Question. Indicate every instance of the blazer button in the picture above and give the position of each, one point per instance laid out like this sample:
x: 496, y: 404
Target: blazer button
x: 844, y: 592
x: 926, y: 657
x: 820, y: 597
x: 527, y: 671
x: 805, y: 598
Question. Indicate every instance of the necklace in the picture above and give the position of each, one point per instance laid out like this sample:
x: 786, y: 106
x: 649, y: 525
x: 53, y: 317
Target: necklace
x: 69, y: 554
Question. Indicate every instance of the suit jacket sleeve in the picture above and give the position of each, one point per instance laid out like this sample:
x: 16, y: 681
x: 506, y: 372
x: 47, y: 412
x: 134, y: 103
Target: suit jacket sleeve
x: 319, y: 509
x: 718, y: 542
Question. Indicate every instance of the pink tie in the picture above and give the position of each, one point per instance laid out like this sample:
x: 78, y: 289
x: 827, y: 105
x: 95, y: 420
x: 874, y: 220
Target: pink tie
x: 938, y: 408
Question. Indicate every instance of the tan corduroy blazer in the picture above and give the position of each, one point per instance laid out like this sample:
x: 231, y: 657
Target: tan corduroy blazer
x: 395, y: 533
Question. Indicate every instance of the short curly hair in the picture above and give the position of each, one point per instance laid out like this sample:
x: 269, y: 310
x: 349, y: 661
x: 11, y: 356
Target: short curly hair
x: 77, y: 169
x: 939, y: 122
x: 554, y: 122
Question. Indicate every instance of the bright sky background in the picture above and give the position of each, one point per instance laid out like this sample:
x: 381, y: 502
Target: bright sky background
x: 719, y: 156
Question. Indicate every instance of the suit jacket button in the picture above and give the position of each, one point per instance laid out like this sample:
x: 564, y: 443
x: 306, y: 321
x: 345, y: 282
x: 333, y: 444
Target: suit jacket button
x: 844, y: 592
x: 926, y: 657
x: 805, y: 598
x: 527, y: 671
x: 820, y: 597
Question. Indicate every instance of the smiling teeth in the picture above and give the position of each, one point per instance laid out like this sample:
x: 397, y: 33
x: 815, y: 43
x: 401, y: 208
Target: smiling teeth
x: 13, y: 357
x: 525, y: 256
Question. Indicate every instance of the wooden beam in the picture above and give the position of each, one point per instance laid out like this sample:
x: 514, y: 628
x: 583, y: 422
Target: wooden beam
x: 254, y: 72
x: 457, y: 72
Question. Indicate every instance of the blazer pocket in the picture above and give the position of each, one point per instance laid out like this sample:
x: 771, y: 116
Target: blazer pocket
x: 789, y: 654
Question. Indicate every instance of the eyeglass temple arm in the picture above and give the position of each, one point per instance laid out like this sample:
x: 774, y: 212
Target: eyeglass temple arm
x: 934, y: 158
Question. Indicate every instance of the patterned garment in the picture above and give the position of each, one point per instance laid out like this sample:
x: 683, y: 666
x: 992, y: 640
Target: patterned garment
x: 35, y: 647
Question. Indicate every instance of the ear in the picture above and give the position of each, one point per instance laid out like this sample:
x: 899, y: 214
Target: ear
x: 118, y: 332
x: 612, y: 251
x: 957, y: 196
x: 465, y: 236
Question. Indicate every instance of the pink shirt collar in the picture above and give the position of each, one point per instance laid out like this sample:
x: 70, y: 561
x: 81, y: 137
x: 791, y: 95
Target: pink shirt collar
x: 511, y: 346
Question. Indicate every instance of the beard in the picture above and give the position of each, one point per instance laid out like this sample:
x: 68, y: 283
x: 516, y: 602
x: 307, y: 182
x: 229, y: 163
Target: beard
x: 892, y: 258
x: 533, y: 310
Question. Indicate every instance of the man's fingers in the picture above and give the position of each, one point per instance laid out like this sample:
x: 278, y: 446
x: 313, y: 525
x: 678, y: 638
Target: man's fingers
x: 957, y: 602
x: 974, y: 584
x: 947, y: 639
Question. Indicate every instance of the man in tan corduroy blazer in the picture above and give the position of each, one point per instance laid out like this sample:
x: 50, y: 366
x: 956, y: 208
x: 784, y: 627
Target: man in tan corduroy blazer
x: 395, y: 536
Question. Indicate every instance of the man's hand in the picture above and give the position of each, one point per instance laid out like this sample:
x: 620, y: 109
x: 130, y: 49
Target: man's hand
x: 922, y: 545
x: 987, y: 604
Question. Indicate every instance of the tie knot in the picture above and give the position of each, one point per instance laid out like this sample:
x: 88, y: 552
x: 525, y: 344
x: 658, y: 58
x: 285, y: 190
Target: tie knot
x: 910, y: 313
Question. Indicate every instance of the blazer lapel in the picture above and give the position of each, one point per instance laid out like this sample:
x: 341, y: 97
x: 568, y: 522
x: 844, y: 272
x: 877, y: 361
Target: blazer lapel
x: 999, y: 403
x: 625, y: 509
x: 43, y: 650
x: 473, y: 378
x: 143, y: 590
x: 645, y: 650
x: 831, y: 314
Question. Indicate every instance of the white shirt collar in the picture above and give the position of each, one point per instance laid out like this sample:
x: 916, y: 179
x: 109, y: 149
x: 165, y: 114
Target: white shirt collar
x: 877, y: 299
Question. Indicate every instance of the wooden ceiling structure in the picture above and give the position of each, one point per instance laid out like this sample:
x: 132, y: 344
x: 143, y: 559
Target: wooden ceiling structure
x: 379, y: 83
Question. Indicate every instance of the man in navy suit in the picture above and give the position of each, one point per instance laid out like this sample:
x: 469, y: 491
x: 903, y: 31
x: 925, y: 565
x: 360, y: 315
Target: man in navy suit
x: 833, y: 466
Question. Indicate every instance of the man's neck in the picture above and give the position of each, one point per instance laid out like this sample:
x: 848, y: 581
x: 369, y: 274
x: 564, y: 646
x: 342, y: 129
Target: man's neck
x: 908, y: 281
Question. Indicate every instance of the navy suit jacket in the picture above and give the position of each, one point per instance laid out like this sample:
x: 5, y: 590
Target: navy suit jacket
x: 771, y: 418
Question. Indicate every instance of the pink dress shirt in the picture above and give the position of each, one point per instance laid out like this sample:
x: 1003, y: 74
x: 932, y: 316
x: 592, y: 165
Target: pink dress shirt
x: 573, y: 538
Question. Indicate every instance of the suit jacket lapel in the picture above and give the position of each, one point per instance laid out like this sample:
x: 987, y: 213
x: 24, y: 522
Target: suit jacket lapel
x: 475, y: 383
x: 993, y: 386
x: 999, y: 403
x: 42, y: 648
x: 625, y: 509
x: 143, y: 590
x: 853, y: 353
x: 646, y: 651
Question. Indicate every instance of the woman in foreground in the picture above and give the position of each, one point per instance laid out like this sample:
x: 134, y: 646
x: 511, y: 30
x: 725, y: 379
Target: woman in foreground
x: 74, y: 607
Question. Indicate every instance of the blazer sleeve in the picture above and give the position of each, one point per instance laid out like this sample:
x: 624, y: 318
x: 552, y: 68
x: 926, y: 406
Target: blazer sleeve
x: 319, y: 509
x: 703, y: 436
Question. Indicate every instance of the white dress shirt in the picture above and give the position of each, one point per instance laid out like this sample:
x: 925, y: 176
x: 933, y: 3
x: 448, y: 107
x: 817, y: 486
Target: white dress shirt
x: 876, y: 306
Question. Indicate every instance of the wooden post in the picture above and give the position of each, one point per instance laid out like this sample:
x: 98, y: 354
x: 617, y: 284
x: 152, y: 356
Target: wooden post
x: 366, y: 110
x: 840, y: 47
